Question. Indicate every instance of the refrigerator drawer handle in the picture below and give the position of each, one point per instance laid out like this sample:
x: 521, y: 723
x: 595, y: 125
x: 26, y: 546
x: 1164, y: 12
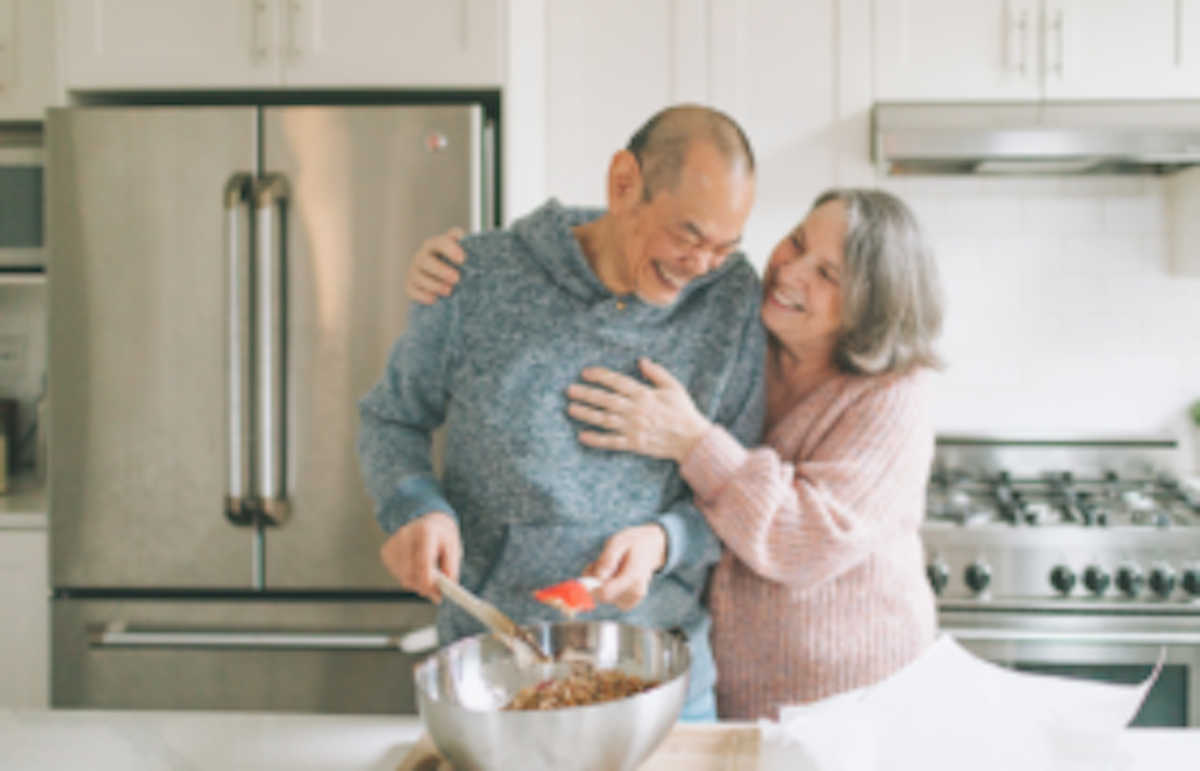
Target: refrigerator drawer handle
x: 1097, y: 638
x: 270, y: 203
x: 237, y: 201
x: 116, y: 635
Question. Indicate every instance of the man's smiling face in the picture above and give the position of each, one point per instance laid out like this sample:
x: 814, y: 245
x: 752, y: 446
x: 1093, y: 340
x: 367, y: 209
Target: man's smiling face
x: 683, y: 233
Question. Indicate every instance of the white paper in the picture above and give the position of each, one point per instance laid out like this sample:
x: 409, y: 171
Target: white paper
x: 950, y: 710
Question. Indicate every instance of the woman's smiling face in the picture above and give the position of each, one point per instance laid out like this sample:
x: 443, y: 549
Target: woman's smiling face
x: 802, y: 288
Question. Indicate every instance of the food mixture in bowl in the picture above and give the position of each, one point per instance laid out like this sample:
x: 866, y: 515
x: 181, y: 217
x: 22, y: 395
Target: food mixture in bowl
x: 578, y: 690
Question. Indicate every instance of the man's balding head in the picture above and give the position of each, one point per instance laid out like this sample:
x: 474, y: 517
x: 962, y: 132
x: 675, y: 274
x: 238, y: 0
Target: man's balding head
x: 678, y: 198
x: 661, y: 145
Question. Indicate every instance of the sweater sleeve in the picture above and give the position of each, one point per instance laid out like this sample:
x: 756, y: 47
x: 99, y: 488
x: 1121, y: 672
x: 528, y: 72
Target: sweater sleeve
x: 399, y: 415
x: 804, y: 521
x: 690, y: 539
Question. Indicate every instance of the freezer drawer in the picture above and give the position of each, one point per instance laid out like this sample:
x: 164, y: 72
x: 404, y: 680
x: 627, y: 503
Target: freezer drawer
x: 331, y: 656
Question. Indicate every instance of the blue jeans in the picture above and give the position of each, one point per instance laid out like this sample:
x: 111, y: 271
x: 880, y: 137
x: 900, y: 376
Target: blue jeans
x: 701, y: 708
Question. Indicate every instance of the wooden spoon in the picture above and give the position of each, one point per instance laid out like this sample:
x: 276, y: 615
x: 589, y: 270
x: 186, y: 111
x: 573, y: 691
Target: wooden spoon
x: 490, y: 616
x: 424, y: 756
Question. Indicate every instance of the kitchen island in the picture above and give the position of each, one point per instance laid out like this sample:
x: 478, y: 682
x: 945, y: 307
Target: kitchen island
x: 230, y: 741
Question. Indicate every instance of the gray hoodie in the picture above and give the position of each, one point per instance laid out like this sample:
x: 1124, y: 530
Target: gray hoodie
x: 492, y: 363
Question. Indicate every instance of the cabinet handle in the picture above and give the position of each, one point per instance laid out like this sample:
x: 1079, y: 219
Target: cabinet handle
x: 295, y: 8
x: 1021, y: 40
x: 260, y: 48
x: 1061, y: 39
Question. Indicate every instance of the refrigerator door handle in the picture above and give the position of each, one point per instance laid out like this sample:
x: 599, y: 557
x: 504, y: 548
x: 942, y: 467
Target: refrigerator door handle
x: 237, y: 198
x: 271, y: 195
x: 116, y: 634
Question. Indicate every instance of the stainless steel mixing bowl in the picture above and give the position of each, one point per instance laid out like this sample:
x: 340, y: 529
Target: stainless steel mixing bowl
x: 462, y: 688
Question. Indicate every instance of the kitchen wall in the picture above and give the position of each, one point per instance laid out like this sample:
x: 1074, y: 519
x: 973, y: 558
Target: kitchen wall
x: 1064, y: 318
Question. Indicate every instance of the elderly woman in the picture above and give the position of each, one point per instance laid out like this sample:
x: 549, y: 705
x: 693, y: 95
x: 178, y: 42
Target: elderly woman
x: 821, y: 587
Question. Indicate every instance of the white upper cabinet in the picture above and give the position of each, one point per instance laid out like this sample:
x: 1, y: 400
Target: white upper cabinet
x: 161, y: 44
x: 931, y: 50
x: 28, y: 74
x: 1001, y: 50
x: 611, y: 65
x: 1122, y: 49
x: 172, y: 43
x: 393, y: 42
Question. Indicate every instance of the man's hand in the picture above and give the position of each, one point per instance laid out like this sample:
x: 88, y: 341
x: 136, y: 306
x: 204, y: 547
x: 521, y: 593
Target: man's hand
x: 413, y: 551
x: 430, y: 275
x: 628, y: 563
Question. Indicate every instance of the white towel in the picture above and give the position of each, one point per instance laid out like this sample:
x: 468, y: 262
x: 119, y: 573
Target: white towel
x: 950, y: 710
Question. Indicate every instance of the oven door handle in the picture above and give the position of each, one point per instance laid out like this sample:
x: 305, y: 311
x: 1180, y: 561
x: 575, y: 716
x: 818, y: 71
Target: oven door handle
x: 117, y: 635
x: 970, y: 634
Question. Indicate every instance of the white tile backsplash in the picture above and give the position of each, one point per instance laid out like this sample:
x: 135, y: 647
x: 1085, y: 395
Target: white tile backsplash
x: 1089, y: 185
x: 1108, y: 254
x: 1060, y: 214
x: 1063, y: 316
x: 1143, y: 214
x: 1010, y: 254
x: 980, y: 215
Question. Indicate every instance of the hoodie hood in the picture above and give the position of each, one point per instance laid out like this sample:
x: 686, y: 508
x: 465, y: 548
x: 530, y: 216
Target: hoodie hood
x: 548, y: 235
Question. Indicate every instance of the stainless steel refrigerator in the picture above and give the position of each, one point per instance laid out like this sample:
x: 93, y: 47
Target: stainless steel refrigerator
x: 225, y: 283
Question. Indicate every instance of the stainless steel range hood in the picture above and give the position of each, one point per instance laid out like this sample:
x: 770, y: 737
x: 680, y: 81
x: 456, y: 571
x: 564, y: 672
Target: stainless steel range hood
x: 1036, y: 138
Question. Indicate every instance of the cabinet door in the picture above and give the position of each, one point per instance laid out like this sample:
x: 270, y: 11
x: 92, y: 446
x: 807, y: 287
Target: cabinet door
x: 1122, y: 49
x: 424, y: 43
x: 137, y: 44
x: 935, y: 50
x: 28, y: 72
x: 25, y: 630
x: 786, y: 98
x: 610, y: 66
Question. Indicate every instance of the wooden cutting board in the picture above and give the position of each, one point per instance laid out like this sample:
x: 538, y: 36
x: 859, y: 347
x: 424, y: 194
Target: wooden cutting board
x: 712, y: 747
x: 717, y: 747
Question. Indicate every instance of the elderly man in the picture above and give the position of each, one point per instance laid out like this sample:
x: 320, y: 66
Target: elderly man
x: 522, y: 504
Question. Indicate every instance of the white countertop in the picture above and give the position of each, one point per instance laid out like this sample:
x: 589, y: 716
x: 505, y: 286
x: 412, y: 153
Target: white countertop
x: 228, y: 741
x: 225, y: 741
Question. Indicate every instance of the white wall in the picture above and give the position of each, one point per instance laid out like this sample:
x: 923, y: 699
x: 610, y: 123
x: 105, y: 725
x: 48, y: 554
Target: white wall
x: 1064, y: 318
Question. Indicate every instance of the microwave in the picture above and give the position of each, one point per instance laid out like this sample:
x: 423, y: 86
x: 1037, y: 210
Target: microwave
x: 22, y: 223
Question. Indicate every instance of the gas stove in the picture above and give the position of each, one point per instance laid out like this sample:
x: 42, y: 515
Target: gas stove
x: 1076, y: 558
x: 1055, y: 524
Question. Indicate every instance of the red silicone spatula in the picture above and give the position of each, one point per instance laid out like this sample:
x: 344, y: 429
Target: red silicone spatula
x: 571, y: 596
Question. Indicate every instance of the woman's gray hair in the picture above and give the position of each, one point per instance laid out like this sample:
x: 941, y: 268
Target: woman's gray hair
x: 891, y: 292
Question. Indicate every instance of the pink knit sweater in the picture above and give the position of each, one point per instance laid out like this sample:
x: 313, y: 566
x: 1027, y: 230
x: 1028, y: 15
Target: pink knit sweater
x: 822, y: 585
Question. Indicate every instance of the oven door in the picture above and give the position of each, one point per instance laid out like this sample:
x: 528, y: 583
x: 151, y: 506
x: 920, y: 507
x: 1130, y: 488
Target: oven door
x: 1115, y: 646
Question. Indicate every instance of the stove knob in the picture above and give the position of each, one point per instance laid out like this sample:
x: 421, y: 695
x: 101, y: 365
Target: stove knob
x: 978, y: 576
x: 1062, y: 578
x: 1162, y: 580
x: 1096, y: 579
x: 1191, y: 581
x: 1130, y: 580
x: 939, y: 575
